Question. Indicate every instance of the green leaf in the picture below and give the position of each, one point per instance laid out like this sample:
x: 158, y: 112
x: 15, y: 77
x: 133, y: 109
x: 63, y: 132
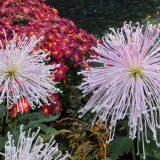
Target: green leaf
x: 35, y: 120
x: 33, y: 125
x: 39, y: 123
x: 119, y: 146
x: 31, y: 116
x: 37, y: 117
x: 152, y: 151
x: 50, y: 132
x: 48, y: 119
x: 2, y: 142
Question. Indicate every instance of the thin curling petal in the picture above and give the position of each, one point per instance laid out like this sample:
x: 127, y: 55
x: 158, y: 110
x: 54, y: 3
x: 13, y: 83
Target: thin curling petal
x: 129, y: 86
x: 23, y: 73
x: 31, y: 147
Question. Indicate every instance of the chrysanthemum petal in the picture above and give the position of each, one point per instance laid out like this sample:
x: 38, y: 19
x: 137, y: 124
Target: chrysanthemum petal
x: 129, y: 86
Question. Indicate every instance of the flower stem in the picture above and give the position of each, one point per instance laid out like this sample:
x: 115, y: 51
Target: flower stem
x: 5, y: 121
x: 133, y: 151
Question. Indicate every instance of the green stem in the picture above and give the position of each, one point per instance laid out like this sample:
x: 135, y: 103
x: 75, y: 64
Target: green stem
x: 5, y: 121
x: 133, y: 151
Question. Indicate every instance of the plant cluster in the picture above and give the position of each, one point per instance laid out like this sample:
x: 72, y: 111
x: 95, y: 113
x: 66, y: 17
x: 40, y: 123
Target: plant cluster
x: 67, y: 48
x: 63, y: 41
x: 43, y: 59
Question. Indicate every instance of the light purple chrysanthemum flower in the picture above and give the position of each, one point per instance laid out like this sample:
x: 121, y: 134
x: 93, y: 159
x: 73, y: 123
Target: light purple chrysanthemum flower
x: 31, y: 147
x: 23, y: 73
x: 127, y: 81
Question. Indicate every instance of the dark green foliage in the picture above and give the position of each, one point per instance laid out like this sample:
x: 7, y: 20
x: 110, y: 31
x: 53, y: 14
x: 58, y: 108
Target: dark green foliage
x: 36, y: 119
x: 119, y: 146
x: 30, y: 120
x: 152, y: 151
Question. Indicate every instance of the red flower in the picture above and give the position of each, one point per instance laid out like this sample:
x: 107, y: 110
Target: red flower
x: 56, y: 108
x: 14, y: 111
x: 46, y: 109
x: 54, y: 97
x: 21, y: 106
x: 53, y: 108
x: 61, y: 72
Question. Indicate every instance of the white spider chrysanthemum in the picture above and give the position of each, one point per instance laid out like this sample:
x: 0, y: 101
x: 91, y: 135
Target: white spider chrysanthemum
x: 127, y: 84
x: 31, y: 147
x: 23, y: 72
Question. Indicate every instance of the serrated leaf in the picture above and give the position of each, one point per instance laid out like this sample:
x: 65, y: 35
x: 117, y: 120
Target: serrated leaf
x: 31, y: 116
x: 37, y: 117
x: 48, y: 119
x: 119, y: 146
x: 40, y: 123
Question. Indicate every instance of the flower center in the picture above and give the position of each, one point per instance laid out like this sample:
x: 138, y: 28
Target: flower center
x: 135, y: 72
x: 11, y: 72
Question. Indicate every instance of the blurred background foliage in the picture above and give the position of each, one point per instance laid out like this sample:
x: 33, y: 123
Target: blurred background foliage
x: 97, y: 16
